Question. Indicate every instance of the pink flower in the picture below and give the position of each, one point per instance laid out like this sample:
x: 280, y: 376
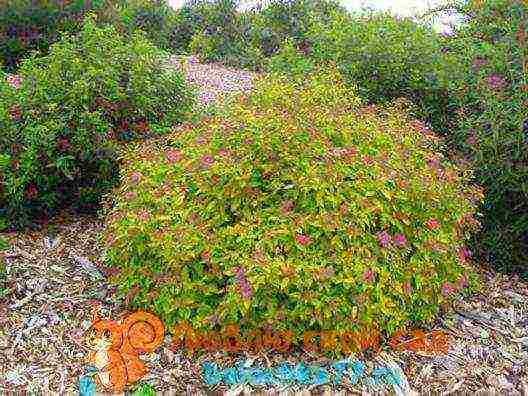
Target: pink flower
x: 400, y: 240
x: 447, y: 289
x: 384, y: 238
x: 110, y: 239
x: 303, y: 239
x: 63, y: 144
x: 471, y: 139
x: 223, y: 152
x: 206, y: 256
x: 32, y: 191
x: 136, y: 177
x: 463, y: 254
x: 130, y: 195
x: 173, y: 156
x: 14, y: 80
x: 462, y: 283
x: 15, y: 112
x: 432, y: 224
x: 407, y: 288
x: 368, y: 276
x: 366, y: 160
x: 207, y: 160
x: 495, y: 82
x: 351, y: 151
x: 287, y: 206
x: 144, y: 215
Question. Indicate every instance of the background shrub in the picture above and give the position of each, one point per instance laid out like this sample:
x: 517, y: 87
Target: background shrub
x: 389, y: 57
x: 33, y: 25
x: 299, y: 209
x: 491, y: 95
x: 155, y: 17
x: 225, y: 36
x: 60, y: 117
x: 282, y: 20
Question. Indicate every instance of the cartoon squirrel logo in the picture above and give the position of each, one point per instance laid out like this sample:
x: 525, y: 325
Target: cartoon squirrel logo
x: 117, y: 360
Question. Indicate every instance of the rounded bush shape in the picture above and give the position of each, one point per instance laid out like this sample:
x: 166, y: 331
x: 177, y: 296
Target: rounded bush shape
x: 300, y: 209
x: 60, y: 116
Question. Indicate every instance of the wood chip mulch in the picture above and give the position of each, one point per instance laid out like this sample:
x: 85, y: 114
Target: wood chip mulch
x: 52, y: 277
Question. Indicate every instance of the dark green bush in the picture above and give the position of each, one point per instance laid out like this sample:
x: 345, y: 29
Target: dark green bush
x: 388, y: 57
x: 282, y: 20
x: 188, y: 21
x: 155, y: 17
x: 60, y: 118
x: 225, y: 36
x: 492, y: 121
x: 33, y: 25
x: 300, y: 209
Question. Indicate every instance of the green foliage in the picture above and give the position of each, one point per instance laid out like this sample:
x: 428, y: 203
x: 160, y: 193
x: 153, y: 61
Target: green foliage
x: 4, y: 243
x: 300, y: 208
x: 290, y: 61
x: 144, y: 390
x: 388, y: 57
x: 224, y: 36
x: 282, y: 20
x: 491, y: 94
x: 59, y: 127
x: 155, y: 17
x: 33, y: 25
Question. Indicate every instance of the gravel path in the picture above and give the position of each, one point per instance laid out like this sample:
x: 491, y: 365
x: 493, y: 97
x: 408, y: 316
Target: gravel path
x: 213, y: 80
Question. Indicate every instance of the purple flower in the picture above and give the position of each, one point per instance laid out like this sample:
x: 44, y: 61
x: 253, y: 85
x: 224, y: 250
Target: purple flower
x: 384, y: 238
x: 400, y: 240
x: 14, y: 80
x: 207, y: 160
x: 478, y: 63
x: 471, y: 139
x: 464, y: 253
x: 173, y: 156
x: 243, y: 283
x: 495, y: 82
x: 447, y: 289
x: 462, y: 283
x: 303, y: 239
x: 135, y: 177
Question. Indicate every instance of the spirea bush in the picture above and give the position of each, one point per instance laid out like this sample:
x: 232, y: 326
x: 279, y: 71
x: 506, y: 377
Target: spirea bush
x: 300, y: 209
x: 491, y: 95
x: 62, y: 114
